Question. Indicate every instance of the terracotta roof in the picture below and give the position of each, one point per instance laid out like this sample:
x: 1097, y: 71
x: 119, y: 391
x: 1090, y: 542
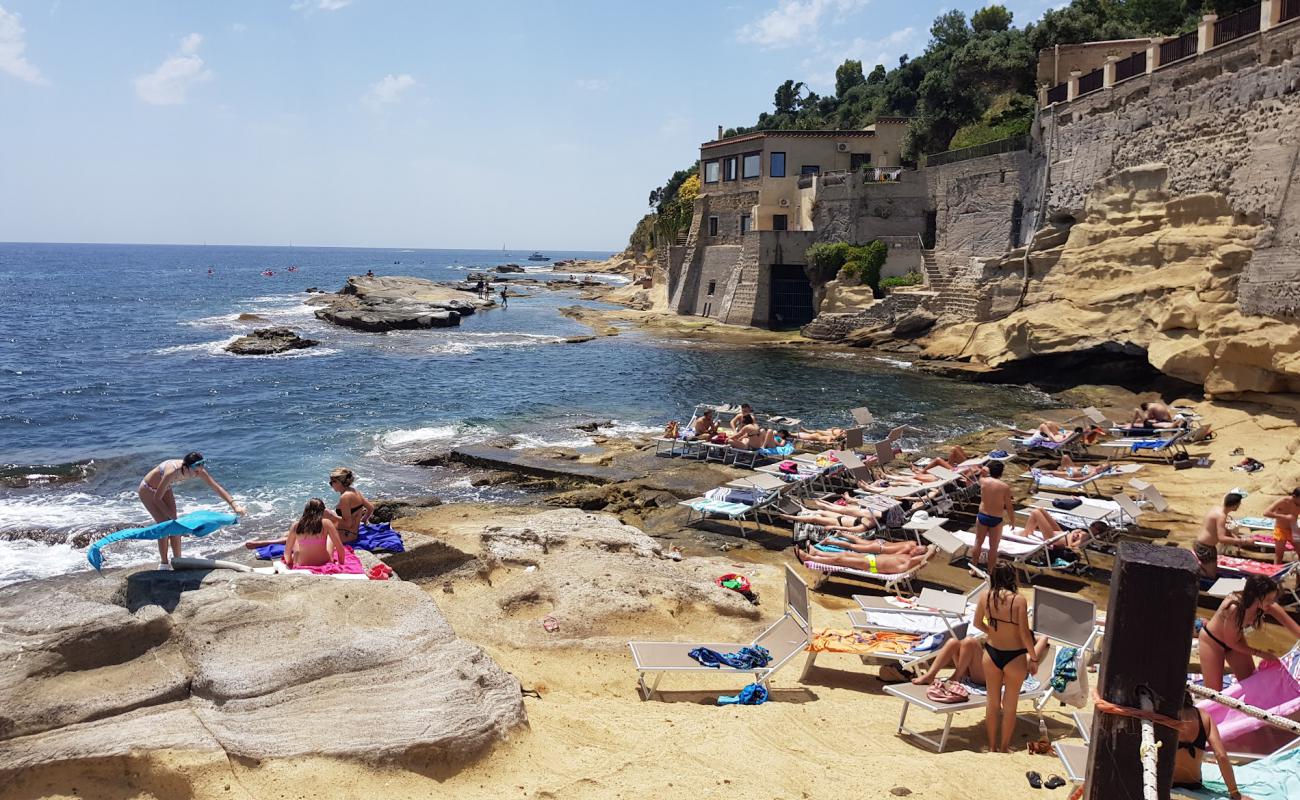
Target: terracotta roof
x: 745, y: 137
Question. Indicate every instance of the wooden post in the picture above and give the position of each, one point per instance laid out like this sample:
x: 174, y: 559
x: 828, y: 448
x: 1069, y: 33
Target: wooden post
x: 1148, y: 641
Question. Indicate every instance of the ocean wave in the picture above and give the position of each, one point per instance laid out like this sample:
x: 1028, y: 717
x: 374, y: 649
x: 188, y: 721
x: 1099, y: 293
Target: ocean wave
x: 407, y: 439
x: 894, y: 362
x: 462, y: 344
x: 218, y: 349
x: 524, y: 441
x: 621, y: 428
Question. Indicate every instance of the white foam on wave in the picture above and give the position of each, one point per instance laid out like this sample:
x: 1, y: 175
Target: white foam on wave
x: 73, y: 512
x: 524, y: 441
x: 413, y: 438
x: 24, y: 560
x: 218, y: 349
x: 894, y: 362
x: 621, y: 428
x: 462, y: 344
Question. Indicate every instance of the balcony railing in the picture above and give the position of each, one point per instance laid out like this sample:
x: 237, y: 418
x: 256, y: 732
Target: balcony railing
x: 978, y: 151
x: 1061, y: 91
x: 1178, y: 49
x: 1091, y: 82
x: 1235, y: 26
x: 1135, y: 64
x: 1290, y: 10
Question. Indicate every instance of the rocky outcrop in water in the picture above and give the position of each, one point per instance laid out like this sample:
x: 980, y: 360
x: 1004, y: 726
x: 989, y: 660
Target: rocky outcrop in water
x: 1146, y: 274
x: 255, y: 666
x: 387, y: 303
x: 269, y: 341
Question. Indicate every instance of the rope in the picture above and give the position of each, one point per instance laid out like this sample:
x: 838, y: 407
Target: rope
x: 1107, y: 707
x: 1149, y: 749
x: 1249, y: 710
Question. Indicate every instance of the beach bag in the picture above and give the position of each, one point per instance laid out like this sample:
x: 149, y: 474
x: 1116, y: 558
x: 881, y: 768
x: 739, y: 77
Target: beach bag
x: 789, y: 467
x: 670, y: 430
x: 1067, y: 503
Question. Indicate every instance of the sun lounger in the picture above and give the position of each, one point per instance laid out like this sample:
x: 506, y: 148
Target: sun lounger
x: 862, y: 416
x: 1024, y: 552
x: 1037, y: 445
x: 1085, y: 485
x: 935, y: 611
x: 1151, y: 494
x: 1074, y: 760
x: 895, y: 582
x: 913, y: 695
x: 784, y: 639
x: 1167, y: 449
x: 738, y: 512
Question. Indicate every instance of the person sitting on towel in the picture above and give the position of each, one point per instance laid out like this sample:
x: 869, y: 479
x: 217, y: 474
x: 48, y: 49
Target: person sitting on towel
x: 155, y: 492
x: 352, y: 510
x: 884, y: 564
x: 313, y: 540
x: 1196, y: 734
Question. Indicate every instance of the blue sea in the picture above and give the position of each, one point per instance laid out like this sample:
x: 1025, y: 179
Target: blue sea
x: 112, y: 358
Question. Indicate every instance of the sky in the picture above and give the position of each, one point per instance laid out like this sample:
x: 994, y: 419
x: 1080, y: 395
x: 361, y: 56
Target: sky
x: 383, y: 123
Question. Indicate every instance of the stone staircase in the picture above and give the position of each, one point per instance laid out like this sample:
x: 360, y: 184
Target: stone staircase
x: 834, y: 327
x: 935, y: 280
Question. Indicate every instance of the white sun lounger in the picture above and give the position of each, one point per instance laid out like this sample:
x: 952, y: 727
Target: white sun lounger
x: 1165, y: 449
x: 895, y: 582
x: 784, y: 639
x: 862, y: 415
x: 1086, y: 485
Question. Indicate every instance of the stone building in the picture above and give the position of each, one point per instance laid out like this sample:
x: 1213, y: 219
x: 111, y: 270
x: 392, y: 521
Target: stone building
x: 764, y: 198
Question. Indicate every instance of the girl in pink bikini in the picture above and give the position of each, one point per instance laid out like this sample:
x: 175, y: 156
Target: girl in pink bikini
x: 314, y: 539
x: 156, y: 495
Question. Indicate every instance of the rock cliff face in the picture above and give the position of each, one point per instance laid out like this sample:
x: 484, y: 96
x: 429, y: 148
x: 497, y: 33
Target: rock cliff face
x: 255, y: 666
x: 1143, y: 273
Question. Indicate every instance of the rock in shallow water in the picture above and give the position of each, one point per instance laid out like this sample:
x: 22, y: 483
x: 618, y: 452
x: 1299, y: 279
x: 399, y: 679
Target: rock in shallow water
x: 396, y: 303
x: 269, y: 341
x: 256, y: 666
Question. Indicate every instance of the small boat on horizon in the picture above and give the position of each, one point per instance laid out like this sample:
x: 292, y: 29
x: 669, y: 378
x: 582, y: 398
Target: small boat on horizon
x: 268, y: 273
x: 536, y: 256
x: 292, y: 269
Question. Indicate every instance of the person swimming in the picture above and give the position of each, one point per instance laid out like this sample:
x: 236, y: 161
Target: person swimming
x: 155, y: 492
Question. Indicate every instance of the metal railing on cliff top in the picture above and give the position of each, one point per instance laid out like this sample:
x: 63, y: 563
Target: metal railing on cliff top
x: 1008, y: 145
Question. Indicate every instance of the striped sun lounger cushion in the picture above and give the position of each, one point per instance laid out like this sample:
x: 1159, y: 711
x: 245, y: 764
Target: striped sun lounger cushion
x: 720, y: 507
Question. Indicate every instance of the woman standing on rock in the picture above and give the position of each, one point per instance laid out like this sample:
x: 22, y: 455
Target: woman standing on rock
x: 158, y: 499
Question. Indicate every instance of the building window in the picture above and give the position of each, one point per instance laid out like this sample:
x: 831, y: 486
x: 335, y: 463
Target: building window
x: 712, y: 285
x: 746, y: 224
x: 810, y: 169
x: 779, y: 222
x: 713, y: 226
x: 729, y: 168
x: 710, y: 172
x: 859, y: 160
x: 751, y: 165
x: 776, y: 165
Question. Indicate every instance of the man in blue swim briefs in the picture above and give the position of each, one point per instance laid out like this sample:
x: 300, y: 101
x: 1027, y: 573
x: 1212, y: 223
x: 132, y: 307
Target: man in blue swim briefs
x: 995, y: 510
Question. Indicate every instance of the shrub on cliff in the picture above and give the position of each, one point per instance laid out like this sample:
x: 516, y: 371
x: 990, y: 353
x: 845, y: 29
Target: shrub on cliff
x: 861, y: 263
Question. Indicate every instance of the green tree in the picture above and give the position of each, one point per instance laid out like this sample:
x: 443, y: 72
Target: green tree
x: 877, y: 75
x: 990, y: 19
x: 848, y: 75
x: 787, y: 95
x: 949, y: 31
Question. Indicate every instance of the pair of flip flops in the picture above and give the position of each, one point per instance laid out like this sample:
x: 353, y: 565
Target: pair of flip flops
x: 1036, y: 781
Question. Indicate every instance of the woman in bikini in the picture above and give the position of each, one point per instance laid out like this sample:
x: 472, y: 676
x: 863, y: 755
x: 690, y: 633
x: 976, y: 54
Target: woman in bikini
x: 156, y: 495
x: 827, y: 436
x: 886, y: 564
x: 353, y: 510
x: 833, y: 520
x: 965, y: 656
x: 1223, y: 638
x: 1046, y: 526
x: 856, y: 544
x: 1009, y: 654
x: 748, y: 436
x: 313, y: 540
x: 1196, y: 734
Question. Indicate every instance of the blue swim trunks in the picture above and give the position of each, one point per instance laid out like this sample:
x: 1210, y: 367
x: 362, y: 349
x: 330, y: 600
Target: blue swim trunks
x: 988, y: 520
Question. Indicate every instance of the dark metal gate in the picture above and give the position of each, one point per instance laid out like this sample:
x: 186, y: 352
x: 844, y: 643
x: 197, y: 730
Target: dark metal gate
x: 792, y: 297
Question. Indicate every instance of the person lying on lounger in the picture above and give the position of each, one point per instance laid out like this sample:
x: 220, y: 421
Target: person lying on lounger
x: 856, y: 544
x: 1045, y: 525
x: 965, y: 657
x: 885, y: 564
x: 1076, y: 472
x: 885, y: 484
x: 824, y: 436
x: 835, y: 521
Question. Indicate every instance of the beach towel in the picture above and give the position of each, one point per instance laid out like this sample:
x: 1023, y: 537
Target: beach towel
x: 1276, y: 777
x: 783, y: 450
x: 375, y: 537
x: 1030, y: 686
x: 1273, y: 687
x: 195, y: 523
x: 1249, y: 566
x: 1148, y: 444
x: 745, y: 658
x: 1069, y: 683
x: 351, y: 565
x: 1256, y: 523
x: 831, y: 640
x: 751, y: 695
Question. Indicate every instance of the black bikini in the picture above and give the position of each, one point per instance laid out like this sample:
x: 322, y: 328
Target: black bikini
x: 1194, y: 748
x: 1001, y: 658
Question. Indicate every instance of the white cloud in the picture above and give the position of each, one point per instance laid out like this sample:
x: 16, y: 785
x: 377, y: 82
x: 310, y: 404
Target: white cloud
x: 12, y: 45
x: 820, y: 67
x: 168, y: 84
x: 388, y: 90
x: 592, y: 84
x: 238, y: 27
x: 309, y: 6
x: 793, y: 21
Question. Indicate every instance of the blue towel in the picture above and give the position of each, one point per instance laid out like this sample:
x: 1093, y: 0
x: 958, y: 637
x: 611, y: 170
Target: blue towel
x: 1148, y: 444
x: 783, y: 450
x: 1275, y: 777
x: 751, y: 695
x: 1065, y: 670
x: 746, y: 658
x: 375, y: 537
x: 998, y: 454
x: 195, y: 523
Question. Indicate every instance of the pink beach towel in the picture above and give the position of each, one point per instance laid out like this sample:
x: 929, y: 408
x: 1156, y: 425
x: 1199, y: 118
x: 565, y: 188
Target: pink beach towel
x: 1251, y: 566
x: 351, y: 565
x: 1273, y: 688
